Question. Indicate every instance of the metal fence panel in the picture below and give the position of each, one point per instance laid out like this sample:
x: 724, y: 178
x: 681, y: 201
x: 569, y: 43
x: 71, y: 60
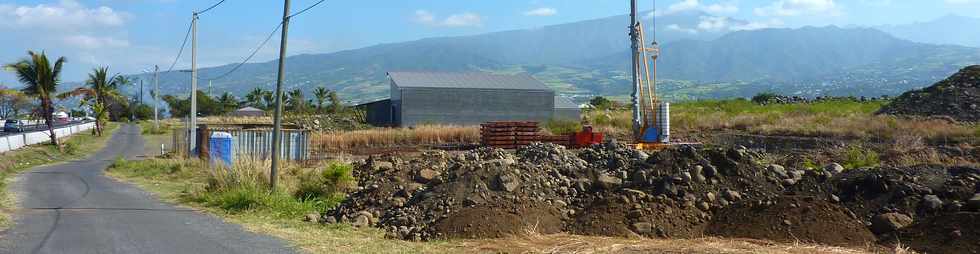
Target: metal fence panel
x: 256, y: 144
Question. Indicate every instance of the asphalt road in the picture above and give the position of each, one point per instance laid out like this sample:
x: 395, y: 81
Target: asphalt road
x: 74, y: 208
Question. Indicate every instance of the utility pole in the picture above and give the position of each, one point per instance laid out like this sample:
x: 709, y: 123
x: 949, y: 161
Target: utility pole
x: 156, y: 91
x: 141, y: 92
x: 277, y: 117
x: 192, y: 128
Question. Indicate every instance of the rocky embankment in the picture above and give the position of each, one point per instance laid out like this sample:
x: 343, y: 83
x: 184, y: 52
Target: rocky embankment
x: 957, y: 97
x: 612, y: 190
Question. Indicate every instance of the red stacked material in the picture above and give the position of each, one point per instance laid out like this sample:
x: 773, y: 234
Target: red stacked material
x: 565, y: 140
x: 509, y: 135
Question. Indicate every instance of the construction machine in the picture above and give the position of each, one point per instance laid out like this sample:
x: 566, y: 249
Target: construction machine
x: 651, y: 117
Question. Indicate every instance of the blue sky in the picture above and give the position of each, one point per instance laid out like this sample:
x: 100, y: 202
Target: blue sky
x: 131, y: 35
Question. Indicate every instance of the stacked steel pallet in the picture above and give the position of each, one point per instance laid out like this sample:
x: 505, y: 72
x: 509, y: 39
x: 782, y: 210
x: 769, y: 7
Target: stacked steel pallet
x: 565, y: 140
x: 509, y: 135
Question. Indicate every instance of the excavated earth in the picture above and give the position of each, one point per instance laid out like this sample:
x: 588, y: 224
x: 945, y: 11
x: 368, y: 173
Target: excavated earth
x: 684, y: 192
x: 957, y: 97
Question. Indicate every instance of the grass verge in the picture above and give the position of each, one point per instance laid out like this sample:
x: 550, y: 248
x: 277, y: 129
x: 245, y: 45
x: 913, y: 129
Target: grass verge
x: 240, y: 195
x: 11, y: 163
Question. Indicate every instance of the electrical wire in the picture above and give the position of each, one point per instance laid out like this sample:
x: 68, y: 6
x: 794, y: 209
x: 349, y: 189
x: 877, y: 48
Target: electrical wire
x: 262, y: 45
x: 209, y: 8
x: 239, y: 65
x: 306, y: 9
x: 181, y: 51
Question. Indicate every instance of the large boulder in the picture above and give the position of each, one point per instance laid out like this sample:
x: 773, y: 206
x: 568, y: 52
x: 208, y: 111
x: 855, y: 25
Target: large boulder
x: 889, y: 222
x: 974, y: 203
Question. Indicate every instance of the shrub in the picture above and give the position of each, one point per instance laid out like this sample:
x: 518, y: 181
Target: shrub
x: 765, y: 98
x: 327, y: 184
x: 239, y: 198
x: 71, y: 148
x: 858, y: 157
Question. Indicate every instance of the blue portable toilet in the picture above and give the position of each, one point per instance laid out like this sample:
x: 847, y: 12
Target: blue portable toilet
x: 220, y: 148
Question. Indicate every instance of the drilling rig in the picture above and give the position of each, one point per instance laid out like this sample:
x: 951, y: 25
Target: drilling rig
x: 651, y: 117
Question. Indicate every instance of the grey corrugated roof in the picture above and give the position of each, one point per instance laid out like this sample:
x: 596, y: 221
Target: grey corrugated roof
x: 477, y: 80
x: 249, y: 109
x: 562, y: 102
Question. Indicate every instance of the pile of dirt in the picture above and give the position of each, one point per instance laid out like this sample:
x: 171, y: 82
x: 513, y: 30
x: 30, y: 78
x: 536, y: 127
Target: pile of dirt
x: 791, y: 219
x: 952, y: 233
x: 957, y: 97
x: 612, y: 190
x: 603, y: 190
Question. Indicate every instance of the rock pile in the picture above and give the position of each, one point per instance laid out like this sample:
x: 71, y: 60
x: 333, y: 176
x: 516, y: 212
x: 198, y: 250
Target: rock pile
x: 957, y: 97
x: 613, y: 190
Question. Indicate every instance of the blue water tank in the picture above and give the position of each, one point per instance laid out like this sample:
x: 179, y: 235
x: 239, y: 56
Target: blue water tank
x: 220, y: 148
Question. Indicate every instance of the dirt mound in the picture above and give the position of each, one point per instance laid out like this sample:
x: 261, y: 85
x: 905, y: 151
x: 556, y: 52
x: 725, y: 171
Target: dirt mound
x: 920, y: 191
x: 612, y: 190
x: 441, y: 195
x: 792, y: 219
x: 957, y: 97
x: 495, y: 222
x: 639, y: 215
x: 952, y: 233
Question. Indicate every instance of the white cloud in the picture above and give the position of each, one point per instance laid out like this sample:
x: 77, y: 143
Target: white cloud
x: 798, y: 7
x: 91, y: 42
x: 676, y: 27
x: 67, y: 23
x: 724, y: 24
x: 542, y: 12
x: 66, y: 15
x: 756, y: 25
x: 465, y: 19
x: 724, y: 8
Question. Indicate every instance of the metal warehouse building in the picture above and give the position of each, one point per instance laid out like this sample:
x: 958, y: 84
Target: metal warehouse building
x: 462, y: 99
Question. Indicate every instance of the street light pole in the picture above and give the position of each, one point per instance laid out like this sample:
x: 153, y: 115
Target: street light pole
x: 277, y: 118
x: 192, y: 127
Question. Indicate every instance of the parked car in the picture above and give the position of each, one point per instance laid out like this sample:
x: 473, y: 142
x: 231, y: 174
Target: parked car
x: 60, y: 118
x: 12, y: 125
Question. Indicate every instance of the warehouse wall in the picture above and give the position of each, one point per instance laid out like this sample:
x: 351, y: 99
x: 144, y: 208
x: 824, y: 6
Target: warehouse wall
x: 379, y: 113
x: 472, y: 106
x: 568, y: 114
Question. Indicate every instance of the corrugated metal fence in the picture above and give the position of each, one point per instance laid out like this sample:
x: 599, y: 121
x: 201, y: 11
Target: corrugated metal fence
x: 256, y: 144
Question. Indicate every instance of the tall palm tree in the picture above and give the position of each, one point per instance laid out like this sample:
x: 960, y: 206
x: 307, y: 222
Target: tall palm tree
x: 296, y: 100
x: 335, y: 103
x: 101, y: 90
x: 40, y: 79
x: 321, y: 94
x: 228, y: 102
x: 254, y: 98
x: 269, y: 98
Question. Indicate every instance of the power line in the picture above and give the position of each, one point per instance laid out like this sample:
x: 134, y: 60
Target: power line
x: 273, y: 33
x: 209, y: 8
x: 181, y: 51
x: 306, y: 9
x: 239, y: 65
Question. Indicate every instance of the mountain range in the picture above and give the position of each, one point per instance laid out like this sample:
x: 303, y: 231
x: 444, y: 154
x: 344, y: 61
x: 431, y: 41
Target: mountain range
x: 589, y: 58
